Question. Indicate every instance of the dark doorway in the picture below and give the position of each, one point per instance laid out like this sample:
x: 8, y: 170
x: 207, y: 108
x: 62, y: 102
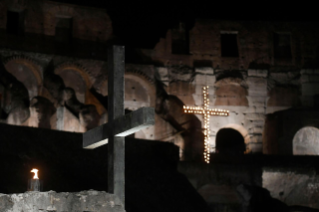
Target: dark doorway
x: 229, y: 45
x: 63, y: 29
x: 180, y: 39
x: 230, y: 141
x: 282, y: 47
x: 15, y: 22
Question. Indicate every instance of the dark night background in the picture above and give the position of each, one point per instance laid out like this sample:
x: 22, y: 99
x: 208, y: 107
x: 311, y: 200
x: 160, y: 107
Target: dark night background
x: 142, y: 23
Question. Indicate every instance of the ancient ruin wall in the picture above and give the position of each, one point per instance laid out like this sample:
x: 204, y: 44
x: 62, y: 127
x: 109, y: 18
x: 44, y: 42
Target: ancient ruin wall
x: 97, y: 201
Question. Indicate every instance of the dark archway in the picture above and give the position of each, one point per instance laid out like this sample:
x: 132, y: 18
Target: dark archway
x: 230, y: 141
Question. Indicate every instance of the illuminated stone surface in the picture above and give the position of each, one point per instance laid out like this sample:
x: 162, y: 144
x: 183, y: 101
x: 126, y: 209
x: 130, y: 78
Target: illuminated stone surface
x: 91, y: 200
x: 306, y: 141
x: 265, y: 84
x: 293, y: 187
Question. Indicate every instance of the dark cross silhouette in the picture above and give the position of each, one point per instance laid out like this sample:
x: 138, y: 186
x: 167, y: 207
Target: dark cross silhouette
x: 119, y: 125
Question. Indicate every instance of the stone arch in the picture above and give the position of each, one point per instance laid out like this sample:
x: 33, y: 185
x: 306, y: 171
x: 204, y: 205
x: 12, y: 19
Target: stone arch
x: 32, y: 77
x: 138, y: 87
x: 76, y: 77
x: 306, y: 141
x: 237, y: 132
x: 144, y: 94
x: 231, y: 92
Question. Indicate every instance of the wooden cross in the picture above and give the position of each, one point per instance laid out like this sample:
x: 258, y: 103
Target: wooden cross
x: 206, y: 112
x: 119, y: 125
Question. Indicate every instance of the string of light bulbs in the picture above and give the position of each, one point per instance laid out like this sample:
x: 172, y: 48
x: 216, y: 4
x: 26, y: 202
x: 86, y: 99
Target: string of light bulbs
x: 206, y: 112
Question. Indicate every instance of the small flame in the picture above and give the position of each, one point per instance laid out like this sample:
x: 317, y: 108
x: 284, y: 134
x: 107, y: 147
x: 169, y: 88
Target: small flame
x: 35, y: 171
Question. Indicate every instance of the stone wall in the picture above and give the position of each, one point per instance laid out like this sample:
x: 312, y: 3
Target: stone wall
x: 256, y: 42
x: 290, y: 179
x: 97, y: 201
x: 42, y: 17
x: 249, y: 95
x: 251, y: 85
x: 281, y: 135
x: 291, y: 186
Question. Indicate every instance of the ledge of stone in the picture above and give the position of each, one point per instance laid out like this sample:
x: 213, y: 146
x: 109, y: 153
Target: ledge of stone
x: 84, y: 201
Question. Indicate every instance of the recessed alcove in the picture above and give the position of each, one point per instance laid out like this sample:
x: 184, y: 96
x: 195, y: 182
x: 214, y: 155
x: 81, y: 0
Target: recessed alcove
x: 305, y: 141
x: 229, y: 141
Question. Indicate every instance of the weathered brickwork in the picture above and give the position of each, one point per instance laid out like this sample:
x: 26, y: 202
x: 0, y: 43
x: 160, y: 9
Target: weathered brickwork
x: 41, y: 17
x: 267, y: 67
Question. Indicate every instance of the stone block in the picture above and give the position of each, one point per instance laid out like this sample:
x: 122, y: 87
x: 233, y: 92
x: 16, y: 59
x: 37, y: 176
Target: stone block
x: 235, y: 117
x: 64, y: 120
x: 202, y: 79
x: 304, y: 79
x: 293, y: 188
x: 163, y: 73
x: 255, y: 147
x: 181, y: 76
x: 259, y: 123
x: 309, y: 89
x: 257, y: 130
x: 255, y: 116
x: 98, y: 201
x: 257, y: 73
x: 256, y: 101
x: 198, y: 99
x: 204, y: 70
x: 280, y: 77
x: 248, y: 110
x: 306, y: 71
x: 255, y: 138
x: 260, y: 109
x: 70, y: 122
x: 219, y: 194
x: 257, y: 86
x: 309, y: 78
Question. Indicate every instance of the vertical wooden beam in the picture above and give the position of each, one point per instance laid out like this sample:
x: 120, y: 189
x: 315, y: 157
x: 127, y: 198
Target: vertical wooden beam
x: 116, y: 145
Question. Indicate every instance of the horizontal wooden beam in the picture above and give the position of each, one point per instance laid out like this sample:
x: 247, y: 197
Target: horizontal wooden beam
x: 121, y: 127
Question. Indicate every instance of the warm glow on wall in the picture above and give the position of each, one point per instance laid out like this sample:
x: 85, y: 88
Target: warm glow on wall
x: 206, y: 112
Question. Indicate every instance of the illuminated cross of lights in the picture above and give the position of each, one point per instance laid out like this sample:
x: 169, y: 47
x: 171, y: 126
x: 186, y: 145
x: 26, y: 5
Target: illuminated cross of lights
x: 206, y: 112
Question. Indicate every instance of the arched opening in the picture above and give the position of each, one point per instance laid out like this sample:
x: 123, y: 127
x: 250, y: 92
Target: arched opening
x: 233, y: 138
x: 75, y: 77
x: 229, y: 141
x: 139, y: 92
x: 27, y: 72
x: 306, y: 141
x: 231, y: 92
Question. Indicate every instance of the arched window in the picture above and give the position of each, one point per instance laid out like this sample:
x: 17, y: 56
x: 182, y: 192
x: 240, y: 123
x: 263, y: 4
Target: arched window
x: 306, y: 141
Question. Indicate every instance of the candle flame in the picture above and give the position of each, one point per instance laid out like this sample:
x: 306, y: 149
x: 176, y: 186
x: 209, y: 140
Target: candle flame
x: 35, y: 171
